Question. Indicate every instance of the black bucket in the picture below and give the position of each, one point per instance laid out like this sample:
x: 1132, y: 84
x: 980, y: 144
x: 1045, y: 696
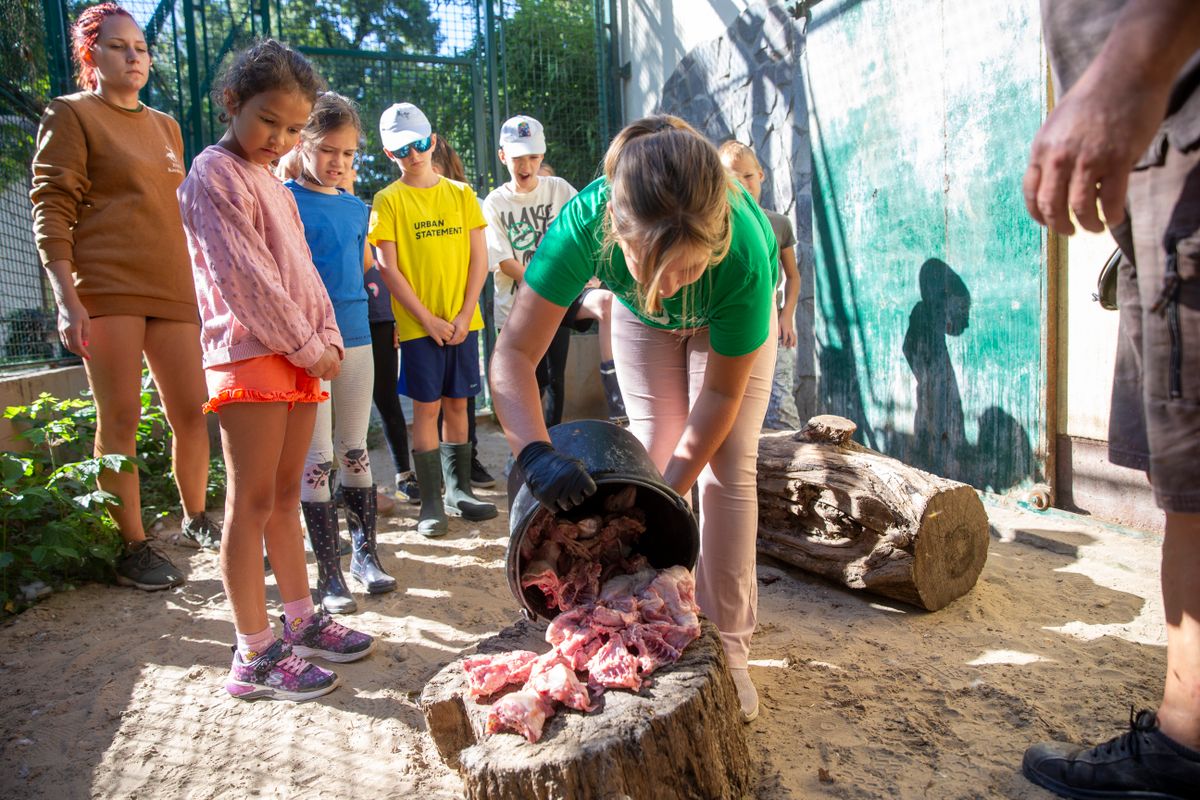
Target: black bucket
x: 615, y: 459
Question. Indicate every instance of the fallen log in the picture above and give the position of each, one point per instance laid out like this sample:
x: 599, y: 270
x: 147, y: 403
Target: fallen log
x: 833, y: 507
x: 680, y: 737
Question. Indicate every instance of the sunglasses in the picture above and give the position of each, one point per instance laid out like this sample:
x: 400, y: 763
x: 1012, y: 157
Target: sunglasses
x: 420, y: 145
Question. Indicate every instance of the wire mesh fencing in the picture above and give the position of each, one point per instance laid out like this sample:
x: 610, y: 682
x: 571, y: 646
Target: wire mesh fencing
x: 27, y: 320
x: 469, y: 64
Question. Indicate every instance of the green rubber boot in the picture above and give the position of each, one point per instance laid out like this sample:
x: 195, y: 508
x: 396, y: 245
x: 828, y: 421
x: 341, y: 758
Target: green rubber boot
x: 456, y: 469
x: 432, y: 520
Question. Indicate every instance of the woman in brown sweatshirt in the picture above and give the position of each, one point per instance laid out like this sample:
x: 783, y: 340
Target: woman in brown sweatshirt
x: 108, y: 230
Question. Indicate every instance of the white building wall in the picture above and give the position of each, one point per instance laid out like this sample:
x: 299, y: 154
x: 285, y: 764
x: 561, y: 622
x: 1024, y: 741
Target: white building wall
x: 1091, y: 340
x: 657, y: 34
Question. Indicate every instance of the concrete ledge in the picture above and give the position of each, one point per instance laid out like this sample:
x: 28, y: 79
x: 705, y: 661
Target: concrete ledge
x: 1087, y: 483
x: 22, y: 388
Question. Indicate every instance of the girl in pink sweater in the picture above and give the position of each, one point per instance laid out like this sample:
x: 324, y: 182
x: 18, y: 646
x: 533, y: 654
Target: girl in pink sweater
x: 269, y: 338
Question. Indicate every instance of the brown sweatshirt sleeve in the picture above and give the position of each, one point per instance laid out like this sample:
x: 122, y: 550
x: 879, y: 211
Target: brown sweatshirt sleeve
x: 60, y: 182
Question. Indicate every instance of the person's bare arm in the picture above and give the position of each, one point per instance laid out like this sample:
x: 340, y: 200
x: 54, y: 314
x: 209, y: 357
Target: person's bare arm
x: 74, y: 323
x: 439, y: 330
x: 791, y: 296
x: 1084, y: 152
x: 711, y: 418
x: 477, y: 273
x: 523, y: 341
x: 513, y: 269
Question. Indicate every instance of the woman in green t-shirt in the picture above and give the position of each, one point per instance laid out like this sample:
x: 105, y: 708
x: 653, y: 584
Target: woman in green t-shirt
x: 693, y: 262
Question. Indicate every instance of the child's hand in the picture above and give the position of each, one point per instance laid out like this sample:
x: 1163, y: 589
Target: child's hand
x: 328, y: 365
x: 462, y: 326
x: 787, y: 332
x: 438, y: 329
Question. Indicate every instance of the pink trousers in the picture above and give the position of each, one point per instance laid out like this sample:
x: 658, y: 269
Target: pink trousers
x: 661, y: 373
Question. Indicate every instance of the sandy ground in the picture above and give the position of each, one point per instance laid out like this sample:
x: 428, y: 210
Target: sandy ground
x: 110, y: 692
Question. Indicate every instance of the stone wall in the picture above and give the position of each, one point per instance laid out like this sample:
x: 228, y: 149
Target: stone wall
x: 747, y: 84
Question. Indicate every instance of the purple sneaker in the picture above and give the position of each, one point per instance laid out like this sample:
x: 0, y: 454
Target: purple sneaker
x: 324, y: 638
x: 278, y: 674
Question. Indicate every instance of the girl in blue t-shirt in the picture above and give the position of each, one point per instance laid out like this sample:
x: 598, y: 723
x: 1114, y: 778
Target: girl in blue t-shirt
x: 335, y: 225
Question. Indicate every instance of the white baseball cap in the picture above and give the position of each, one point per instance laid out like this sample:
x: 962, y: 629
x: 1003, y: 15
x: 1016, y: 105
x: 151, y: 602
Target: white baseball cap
x: 401, y: 124
x: 522, y: 136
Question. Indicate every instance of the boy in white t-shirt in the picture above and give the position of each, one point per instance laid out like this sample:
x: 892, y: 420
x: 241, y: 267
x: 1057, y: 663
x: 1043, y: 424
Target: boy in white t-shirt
x: 518, y: 213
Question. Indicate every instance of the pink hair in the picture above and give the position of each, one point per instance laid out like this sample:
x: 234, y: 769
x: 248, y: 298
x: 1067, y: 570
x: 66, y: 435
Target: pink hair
x: 84, y: 33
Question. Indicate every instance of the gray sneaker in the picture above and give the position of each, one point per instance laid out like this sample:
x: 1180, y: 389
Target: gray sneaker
x: 200, y: 531
x: 146, y: 568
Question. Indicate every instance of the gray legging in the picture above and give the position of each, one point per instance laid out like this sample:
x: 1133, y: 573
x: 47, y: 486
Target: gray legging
x: 350, y: 392
x: 661, y: 374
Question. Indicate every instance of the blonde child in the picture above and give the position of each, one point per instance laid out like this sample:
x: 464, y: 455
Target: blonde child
x: 428, y: 233
x: 269, y: 337
x: 335, y: 226
x: 104, y: 176
x: 693, y: 264
x: 742, y: 164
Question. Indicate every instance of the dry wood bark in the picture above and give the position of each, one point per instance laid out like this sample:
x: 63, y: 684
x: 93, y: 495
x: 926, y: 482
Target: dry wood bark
x: 833, y: 507
x: 681, y: 737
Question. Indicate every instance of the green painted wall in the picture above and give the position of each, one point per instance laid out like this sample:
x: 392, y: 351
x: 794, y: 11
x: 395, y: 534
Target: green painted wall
x: 930, y: 277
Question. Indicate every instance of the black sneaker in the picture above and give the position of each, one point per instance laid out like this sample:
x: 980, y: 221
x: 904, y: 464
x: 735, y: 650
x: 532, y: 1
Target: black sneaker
x: 1141, y: 763
x: 480, y: 477
x: 146, y: 568
x: 200, y: 531
x: 406, y: 485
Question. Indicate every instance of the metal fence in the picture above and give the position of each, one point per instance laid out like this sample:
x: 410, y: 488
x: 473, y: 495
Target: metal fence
x: 27, y: 326
x: 469, y: 64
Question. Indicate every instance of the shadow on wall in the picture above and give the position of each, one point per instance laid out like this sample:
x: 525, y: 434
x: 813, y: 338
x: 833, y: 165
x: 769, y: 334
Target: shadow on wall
x: 939, y: 441
x: 747, y: 84
x: 840, y: 391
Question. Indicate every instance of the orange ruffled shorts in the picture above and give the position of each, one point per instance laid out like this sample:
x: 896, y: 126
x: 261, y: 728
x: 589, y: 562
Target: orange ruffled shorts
x: 266, y: 379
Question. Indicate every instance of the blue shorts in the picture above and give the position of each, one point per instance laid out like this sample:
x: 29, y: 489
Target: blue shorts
x: 429, y: 371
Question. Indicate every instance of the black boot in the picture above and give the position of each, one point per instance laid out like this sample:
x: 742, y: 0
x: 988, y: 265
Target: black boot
x: 360, y: 519
x: 321, y: 519
x: 456, y: 470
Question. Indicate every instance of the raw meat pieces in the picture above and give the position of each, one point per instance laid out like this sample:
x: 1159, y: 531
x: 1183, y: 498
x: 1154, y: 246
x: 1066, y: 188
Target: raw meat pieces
x: 553, y: 676
x: 614, y: 667
x: 522, y: 712
x: 489, y: 673
x: 618, y: 631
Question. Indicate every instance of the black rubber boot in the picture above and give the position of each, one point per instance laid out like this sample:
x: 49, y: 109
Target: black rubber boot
x: 612, y: 394
x: 456, y: 469
x: 360, y: 519
x: 432, y: 520
x: 322, y: 522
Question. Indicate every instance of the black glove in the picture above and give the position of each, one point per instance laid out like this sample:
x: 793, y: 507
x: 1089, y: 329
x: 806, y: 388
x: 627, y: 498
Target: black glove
x: 558, y: 482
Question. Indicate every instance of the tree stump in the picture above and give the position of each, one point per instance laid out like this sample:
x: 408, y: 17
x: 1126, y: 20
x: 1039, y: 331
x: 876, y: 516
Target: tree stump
x: 680, y: 737
x: 831, y: 506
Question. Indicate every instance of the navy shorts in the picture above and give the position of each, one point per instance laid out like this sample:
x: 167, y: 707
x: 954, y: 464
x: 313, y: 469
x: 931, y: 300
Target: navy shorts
x: 429, y: 371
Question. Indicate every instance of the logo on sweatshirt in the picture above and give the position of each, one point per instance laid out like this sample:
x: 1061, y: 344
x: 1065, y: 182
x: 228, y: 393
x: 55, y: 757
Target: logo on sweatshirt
x: 173, y: 164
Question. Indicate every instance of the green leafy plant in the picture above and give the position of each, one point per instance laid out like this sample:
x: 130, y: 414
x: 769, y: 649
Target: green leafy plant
x: 53, y: 525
